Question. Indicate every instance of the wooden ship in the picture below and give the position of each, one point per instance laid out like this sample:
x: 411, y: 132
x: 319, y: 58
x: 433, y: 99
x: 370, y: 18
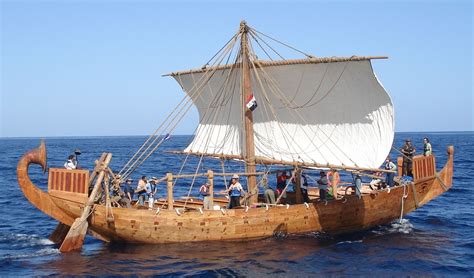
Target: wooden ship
x: 312, y: 113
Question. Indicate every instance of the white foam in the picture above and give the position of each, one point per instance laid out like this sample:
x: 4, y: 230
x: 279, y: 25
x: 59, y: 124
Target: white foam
x: 349, y: 241
x: 24, y: 240
x: 43, y: 252
x: 404, y: 226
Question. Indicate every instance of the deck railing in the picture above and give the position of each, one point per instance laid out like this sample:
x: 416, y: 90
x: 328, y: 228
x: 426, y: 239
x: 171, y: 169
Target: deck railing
x: 424, y: 167
x: 73, y: 181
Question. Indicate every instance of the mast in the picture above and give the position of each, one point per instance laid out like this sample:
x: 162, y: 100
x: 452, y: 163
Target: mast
x: 248, y: 121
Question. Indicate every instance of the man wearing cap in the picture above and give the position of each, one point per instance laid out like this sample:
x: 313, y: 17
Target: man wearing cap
x: 235, y: 191
x: 408, y: 151
x: 128, y: 189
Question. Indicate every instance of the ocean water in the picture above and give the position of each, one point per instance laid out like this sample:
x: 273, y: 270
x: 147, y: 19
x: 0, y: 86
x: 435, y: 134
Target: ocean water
x: 435, y: 240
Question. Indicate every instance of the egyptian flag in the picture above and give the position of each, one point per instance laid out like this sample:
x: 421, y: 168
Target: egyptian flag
x: 251, y: 103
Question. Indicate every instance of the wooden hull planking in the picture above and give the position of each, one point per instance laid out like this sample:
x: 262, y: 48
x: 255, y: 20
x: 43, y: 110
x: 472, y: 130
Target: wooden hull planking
x: 350, y: 214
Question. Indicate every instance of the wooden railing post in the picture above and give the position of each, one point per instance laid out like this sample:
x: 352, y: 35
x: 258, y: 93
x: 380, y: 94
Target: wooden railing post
x: 210, y: 175
x: 298, y: 193
x: 169, y: 186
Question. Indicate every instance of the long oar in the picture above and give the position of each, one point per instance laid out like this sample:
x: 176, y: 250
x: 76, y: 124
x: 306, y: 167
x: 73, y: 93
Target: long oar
x: 75, y: 236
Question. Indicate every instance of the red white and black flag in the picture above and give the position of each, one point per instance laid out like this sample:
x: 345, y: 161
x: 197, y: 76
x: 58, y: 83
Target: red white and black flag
x: 251, y: 103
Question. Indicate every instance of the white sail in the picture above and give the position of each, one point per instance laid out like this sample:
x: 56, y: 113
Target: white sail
x: 328, y: 113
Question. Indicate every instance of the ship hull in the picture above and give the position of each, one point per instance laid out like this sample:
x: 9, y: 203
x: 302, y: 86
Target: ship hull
x: 350, y: 214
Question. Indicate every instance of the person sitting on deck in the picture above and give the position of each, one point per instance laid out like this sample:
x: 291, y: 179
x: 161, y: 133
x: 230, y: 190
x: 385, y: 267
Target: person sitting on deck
x: 389, y: 165
x: 323, y: 185
x: 268, y: 192
x: 204, y: 191
x: 376, y: 181
x: 408, y: 150
x: 304, y: 189
x: 128, y: 189
x: 427, y: 150
x: 118, y: 196
x: 71, y: 163
x: 282, y: 177
x: 141, y: 190
x: 235, y: 191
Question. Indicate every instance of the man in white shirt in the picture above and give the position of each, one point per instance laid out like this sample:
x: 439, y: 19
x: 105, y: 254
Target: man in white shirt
x: 71, y: 163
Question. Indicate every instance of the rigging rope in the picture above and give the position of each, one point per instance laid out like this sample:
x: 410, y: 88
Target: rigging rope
x: 282, y: 43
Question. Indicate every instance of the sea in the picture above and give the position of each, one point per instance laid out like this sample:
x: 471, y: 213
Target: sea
x: 437, y: 240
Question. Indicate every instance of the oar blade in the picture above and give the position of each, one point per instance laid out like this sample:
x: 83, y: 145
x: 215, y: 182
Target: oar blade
x: 75, y: 237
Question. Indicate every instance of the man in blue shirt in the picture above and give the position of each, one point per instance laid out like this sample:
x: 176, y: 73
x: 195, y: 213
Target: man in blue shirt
x: 127, y: 188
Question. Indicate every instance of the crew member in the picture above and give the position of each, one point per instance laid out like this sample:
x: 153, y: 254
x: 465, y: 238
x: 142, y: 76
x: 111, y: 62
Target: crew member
x: 323, y: 185
x: 304, y: 189
x: 128, y: 189
x: 389, y: 165
x: 71, y: 163
x: 427, y: 147
x: 408, y: 151
x: 141, y: 190
x: 235, y: 191
x: 333, y: 179
x: 204, y: 191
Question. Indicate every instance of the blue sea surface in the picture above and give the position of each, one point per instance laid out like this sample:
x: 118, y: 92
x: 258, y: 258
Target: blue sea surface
x: 435, y: 240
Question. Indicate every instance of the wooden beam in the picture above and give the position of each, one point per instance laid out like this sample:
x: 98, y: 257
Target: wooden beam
x: 269, y: 161
x: 210, y: 175
x: 248, y: 120
x: 169, y: 187
x: 264, y: 63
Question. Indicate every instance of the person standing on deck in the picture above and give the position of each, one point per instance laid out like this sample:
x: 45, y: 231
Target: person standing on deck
x: 408, y: 150
x: 323, y: 185
x: 268, y: 192
x: 151, y: 191
x: 141, y: 190
x: 304, y: 189
x: 128, y: 189
x: 389, y: 165
x: 427, y: 150
x: 235, y: 191
x: 333, y: 179
x: 282, y: 177
x: 204, y: 191
x: 71, y: 163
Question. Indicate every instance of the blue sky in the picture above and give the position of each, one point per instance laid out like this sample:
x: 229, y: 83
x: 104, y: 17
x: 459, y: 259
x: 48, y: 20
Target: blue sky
x: 81, y: 68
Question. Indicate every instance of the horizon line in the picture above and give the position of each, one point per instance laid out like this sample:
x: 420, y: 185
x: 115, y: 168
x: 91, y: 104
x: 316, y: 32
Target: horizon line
x: 145, y: 135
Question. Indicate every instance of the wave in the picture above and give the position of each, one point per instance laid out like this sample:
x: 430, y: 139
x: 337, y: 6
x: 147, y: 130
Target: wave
x: 403, y: 226
x: 39, y: 253
x: 24, y: 240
